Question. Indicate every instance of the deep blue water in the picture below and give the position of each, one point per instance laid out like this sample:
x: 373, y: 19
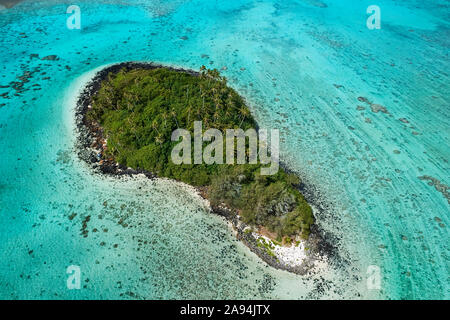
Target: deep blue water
x: 301, y: 65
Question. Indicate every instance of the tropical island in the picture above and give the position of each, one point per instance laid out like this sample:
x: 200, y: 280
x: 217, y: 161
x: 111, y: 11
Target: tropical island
x: 128, y: 114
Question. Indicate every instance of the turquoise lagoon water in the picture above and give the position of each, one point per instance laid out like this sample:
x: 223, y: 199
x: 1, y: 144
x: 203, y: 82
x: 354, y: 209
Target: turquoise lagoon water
x: 301, y: 65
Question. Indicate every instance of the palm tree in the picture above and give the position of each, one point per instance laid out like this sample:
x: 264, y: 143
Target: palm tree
x: 216, y: 115
x: 214, y: 74
x: 159, y: 139
x: 227, y: 112
x: 244, y: 113
x: 229, y: 101
x: 206, y: 120
x: 202, y: 94
x: 203, y: 71
x: 155, y: 125
x: 174, y: 115
x: 199, y: 112
x: 189, y: 110
x: 164, y: 115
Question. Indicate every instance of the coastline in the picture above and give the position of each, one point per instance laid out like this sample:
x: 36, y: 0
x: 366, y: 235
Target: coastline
x: 300, y: 258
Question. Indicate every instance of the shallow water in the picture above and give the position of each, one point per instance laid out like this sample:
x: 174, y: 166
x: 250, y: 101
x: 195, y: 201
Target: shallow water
x: 302, y: 67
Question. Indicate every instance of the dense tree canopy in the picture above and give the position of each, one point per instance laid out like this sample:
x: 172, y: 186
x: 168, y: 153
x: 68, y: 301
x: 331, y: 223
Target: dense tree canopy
x: 139, y: 109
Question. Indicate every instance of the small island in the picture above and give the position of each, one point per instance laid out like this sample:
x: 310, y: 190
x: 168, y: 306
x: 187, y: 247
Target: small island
x: 126, y: 117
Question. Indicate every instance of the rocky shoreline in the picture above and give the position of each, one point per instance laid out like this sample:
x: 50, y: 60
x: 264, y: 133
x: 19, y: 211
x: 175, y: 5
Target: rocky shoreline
x: 91, y: 145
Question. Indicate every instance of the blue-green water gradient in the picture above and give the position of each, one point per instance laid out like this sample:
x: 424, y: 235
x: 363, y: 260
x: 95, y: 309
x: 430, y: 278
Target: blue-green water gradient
x: 301, y: 65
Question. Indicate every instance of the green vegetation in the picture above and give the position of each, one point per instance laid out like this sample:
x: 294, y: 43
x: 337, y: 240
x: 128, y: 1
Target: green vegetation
x: 262, y: 243
x: 139, y: 110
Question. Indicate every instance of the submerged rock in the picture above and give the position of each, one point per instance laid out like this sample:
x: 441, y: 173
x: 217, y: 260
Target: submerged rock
x: 377, y: 108
x: 52, y: 57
